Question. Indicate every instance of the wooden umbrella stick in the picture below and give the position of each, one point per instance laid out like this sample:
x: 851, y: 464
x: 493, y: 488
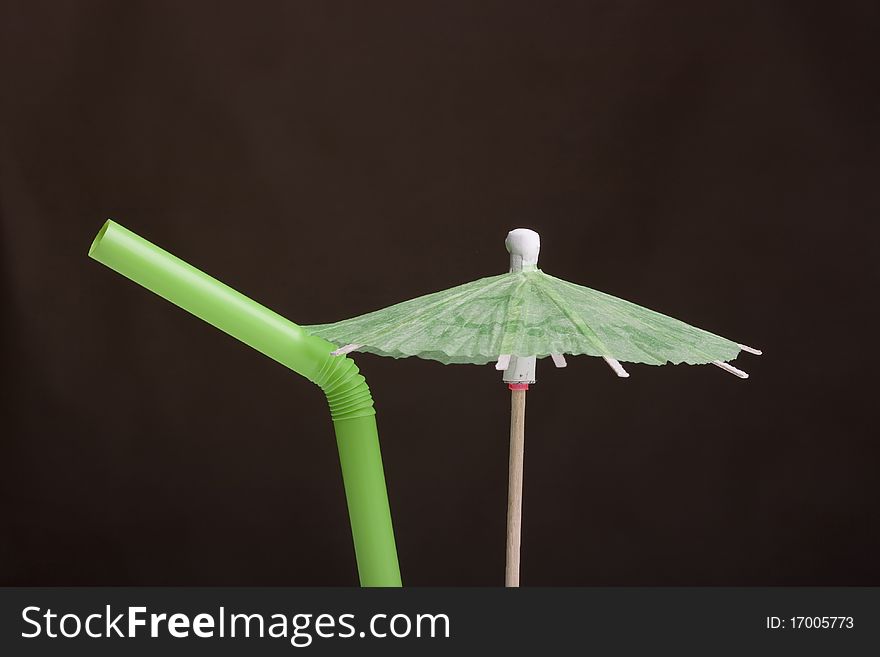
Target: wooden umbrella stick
x: 514, y: 485
x: 523, y: 245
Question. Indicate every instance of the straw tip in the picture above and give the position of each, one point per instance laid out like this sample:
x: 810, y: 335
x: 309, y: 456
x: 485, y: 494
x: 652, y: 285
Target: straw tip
x: 99, y: 237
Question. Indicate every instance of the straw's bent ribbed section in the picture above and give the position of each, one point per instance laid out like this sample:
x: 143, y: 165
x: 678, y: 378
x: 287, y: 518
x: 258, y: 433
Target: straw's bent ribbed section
x: 351, y: 405
x: 345, y: 387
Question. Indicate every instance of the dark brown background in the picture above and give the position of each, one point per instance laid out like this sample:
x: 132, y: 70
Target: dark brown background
x: 715, y: 161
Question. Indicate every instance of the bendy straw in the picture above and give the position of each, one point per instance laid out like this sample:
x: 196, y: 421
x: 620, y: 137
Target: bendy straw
x: 351, y: 405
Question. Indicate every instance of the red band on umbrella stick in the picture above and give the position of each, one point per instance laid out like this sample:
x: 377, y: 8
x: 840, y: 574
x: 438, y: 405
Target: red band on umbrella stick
x: 518, y: 386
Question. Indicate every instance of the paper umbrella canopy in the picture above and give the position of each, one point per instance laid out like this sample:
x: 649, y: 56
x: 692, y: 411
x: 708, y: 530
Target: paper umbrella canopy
x: 516, y: 317
x: 526, y: 312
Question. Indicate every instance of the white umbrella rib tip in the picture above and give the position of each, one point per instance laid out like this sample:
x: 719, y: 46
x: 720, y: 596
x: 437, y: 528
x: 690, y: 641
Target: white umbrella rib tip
x: 615, y: 365
x: 503, y: 362
x: 558, y: 360
x: 750, y: 350
x: 345, y: 350
x: 727, y: 367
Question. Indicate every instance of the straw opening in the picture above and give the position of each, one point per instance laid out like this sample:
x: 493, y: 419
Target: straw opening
x: 97, y: 241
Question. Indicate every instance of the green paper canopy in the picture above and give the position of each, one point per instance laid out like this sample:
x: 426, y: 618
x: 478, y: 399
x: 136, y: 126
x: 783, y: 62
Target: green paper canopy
x: 526, y: 313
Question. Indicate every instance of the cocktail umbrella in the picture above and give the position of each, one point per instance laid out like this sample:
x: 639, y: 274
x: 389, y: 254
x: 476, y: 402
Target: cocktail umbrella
x: 512, y: 320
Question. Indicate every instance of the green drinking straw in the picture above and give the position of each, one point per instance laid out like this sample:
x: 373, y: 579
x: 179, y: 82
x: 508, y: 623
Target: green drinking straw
x: 351, y: 405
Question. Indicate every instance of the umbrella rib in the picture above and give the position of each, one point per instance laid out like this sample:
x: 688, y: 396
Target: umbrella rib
x: 615, y: 365
x: 558, y: 360
x: 345, y: 350
x: 727, y: 367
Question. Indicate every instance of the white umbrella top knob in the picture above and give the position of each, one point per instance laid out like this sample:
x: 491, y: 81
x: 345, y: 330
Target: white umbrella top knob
x: 523, y: 245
